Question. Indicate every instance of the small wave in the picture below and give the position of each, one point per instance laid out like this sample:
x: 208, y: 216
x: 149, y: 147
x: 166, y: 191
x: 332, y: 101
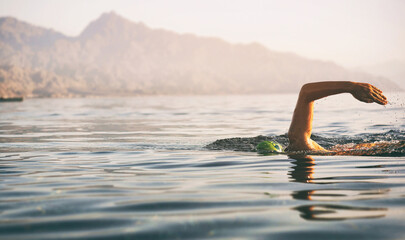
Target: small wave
x: 390, y: 143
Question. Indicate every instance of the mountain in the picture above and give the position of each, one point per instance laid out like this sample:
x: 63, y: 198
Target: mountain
x: 114, y: 56
x: 394, y: 70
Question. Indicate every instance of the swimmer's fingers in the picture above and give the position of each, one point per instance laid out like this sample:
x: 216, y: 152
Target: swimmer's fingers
x: 368, y: 93
x: 379, y: 98
x: 376, y: 89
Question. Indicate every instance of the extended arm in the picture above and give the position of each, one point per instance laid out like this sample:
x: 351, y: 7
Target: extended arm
x: 301, y: 125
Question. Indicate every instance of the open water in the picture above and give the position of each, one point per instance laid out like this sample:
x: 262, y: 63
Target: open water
x: 136, y: 168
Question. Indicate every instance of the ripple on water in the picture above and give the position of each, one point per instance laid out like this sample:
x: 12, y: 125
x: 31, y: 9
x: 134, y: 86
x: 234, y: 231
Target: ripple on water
x: 139, y: 171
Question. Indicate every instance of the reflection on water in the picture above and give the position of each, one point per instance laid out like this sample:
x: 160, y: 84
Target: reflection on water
x: 135, y: 168
x: 303, y: 170
x: 325, y: 212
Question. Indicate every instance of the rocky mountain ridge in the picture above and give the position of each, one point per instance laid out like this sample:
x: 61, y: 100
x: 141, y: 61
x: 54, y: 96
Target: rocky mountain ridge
x: 114, y: 56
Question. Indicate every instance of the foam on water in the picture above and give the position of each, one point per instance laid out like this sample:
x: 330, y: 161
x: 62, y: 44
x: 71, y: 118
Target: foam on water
x: 136, y: 168
x: 391, y: 143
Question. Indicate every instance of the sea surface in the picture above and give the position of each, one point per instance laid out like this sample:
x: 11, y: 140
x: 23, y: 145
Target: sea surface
x: 136, y: 168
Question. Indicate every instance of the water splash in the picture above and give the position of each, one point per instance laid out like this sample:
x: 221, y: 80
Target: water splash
x: 390, y: 143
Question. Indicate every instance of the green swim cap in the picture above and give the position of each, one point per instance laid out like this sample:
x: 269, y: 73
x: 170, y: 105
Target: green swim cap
x: 269, y: 147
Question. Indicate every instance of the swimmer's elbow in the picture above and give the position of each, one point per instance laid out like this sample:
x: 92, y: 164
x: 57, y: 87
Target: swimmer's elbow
x: 306, y: 91
x: 306, y: 86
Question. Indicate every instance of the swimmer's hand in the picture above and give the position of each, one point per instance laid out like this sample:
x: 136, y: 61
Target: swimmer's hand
x: 368, y: 93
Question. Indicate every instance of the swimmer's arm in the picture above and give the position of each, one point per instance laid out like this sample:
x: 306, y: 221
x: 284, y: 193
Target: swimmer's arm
x: 361, y: 91
x: 301, y: 125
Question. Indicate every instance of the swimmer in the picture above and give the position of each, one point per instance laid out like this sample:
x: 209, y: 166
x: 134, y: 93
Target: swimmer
x: 301, y: 125
x: 299, y: 134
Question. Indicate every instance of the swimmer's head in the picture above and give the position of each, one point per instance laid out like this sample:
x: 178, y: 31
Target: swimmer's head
x: 269, y: 147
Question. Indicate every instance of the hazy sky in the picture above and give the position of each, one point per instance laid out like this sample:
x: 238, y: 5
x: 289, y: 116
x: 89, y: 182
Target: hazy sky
x: 349, y: 32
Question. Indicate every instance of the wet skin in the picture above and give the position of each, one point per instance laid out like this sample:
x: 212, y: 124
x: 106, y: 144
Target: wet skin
x: 301, y: 125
